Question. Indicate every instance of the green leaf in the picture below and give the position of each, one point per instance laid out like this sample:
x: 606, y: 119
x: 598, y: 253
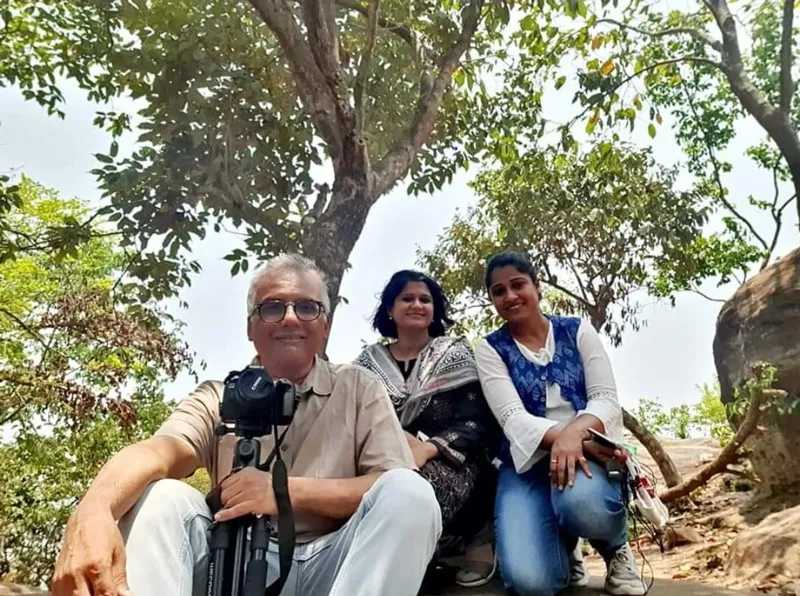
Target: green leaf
x: 560, y: 82
x: 651, y: 130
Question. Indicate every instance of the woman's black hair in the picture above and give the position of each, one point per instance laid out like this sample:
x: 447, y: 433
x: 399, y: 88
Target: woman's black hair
x: 387, y: 327
x: 509, y: 258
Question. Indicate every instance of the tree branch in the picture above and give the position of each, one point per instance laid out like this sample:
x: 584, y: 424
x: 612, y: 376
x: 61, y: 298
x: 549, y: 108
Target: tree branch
x: 709, y: 298
x: 787, y: 86
x: 319, y: 19
x: 771, y: 118
x: 715, y: 165
x: 402, y: 31
x: 697, y: 34
x: 360, y: 85
x: 729, y: 453
x: 577, y: 278
x: 572, y: 295
x: 777, y: 217
x: 648, y: 68
x: 312, y: 85
x: 654, y: 447
x: 24, y: 326
x: 397, y: 161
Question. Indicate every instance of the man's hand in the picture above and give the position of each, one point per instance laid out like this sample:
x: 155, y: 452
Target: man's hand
x: 566, y: 452
x: 246, y: 492
x: 92, y: 560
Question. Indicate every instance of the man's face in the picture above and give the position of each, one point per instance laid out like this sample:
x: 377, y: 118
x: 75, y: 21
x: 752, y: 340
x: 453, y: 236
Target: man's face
x: 287, y: 348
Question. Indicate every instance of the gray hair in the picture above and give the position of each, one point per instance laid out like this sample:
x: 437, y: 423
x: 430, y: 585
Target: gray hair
x: 287, y: 262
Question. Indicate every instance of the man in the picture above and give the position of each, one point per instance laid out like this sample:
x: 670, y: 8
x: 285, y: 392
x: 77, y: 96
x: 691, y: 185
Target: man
x: 366, y: 523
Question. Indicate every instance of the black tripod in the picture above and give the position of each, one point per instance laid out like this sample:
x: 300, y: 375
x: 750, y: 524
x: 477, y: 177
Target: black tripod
x: 231, y: 572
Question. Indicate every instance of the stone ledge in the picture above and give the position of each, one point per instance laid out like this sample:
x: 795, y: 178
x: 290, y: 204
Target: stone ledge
x: 662, y: 587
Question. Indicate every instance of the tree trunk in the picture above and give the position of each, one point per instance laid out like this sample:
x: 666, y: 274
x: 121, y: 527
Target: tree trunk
x: 330, y: 240
x: 648, y: 440
x: 774, y: 119
x: 668, y: 469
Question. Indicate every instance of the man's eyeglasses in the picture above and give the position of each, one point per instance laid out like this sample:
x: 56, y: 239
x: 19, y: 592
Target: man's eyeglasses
x: 273, y: 311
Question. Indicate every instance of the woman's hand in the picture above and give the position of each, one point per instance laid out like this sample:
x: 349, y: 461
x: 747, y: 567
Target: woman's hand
x: 423, y: 453
x: 566, y: 452
x: 411, y: 439
x: 603, y: 454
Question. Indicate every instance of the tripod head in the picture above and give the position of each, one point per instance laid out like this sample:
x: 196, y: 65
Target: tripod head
x: 252, y: 406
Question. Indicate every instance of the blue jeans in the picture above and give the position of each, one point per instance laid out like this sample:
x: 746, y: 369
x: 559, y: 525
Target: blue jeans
x: 537, y: 525
x: 384, y: 548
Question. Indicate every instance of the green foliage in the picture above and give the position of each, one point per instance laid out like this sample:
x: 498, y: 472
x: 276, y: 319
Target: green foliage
x: 711, y: 414
x: 706, y: 418
x: 44, y: 40
x: 763, y: 378
x: 602, y: 225
x: 235, y: 129
x: 81, y: 371
x: 651, y: 414
x: 46, y: 471
x: 200, y: 480
x: 642, y: 67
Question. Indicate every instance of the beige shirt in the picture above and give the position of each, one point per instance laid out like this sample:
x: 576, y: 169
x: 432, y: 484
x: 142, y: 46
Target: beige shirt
x: 344, y: 427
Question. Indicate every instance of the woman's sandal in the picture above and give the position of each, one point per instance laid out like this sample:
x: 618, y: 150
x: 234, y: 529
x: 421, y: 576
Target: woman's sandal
x: 474, y: 574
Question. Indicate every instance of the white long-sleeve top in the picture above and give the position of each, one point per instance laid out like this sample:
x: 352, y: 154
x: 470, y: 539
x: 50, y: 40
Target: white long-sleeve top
x: 525, y: 431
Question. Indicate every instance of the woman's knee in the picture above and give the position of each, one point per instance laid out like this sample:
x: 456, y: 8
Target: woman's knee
x: 592, y: 508
x: 524, y: 577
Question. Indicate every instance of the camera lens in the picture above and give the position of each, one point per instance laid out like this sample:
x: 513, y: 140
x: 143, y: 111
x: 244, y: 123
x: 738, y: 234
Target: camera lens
x: 254, y: 384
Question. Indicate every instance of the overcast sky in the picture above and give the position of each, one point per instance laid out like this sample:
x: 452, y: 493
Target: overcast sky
x: 667, y: 359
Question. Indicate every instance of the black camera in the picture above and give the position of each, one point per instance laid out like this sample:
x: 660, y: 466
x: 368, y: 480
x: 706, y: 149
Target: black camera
x: 254, y: 403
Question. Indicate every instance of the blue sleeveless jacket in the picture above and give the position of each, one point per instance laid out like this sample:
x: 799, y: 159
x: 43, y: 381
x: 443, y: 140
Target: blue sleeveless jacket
x: 530, y: 379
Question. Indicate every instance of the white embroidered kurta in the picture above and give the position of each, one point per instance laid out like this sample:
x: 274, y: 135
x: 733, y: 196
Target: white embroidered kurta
x: 525, y: 431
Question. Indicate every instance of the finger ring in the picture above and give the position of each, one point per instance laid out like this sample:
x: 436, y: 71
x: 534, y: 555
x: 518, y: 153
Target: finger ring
x: 553, y: 461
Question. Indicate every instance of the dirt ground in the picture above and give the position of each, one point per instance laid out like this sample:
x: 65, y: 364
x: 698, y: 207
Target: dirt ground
x: 719, y: 513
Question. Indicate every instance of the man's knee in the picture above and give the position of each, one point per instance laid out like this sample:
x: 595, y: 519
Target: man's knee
x: 409, y: 499
x: 167, y: 500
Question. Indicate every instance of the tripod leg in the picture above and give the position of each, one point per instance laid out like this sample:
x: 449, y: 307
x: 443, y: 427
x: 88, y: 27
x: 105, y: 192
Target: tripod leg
x: 219, y: 545
x: 256, y: 579
x: 239, y: 558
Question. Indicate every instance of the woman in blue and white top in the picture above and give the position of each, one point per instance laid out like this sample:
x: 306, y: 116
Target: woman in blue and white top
x: 548, y: 380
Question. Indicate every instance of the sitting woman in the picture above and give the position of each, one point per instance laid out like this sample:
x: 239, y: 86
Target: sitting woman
x: 433, y: 384
x: 548, y: 381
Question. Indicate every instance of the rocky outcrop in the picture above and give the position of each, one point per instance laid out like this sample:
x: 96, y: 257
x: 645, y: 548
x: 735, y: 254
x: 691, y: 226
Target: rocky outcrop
x: 761, y: 323
x: 768, y: 553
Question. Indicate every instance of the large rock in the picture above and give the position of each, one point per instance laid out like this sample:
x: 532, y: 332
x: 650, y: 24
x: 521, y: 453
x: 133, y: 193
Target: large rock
x: 768, y: 553
x: 761, y: 323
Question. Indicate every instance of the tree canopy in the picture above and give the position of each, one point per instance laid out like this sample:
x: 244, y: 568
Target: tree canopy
x: 286, y: 120
x: 604, y: 226
x: 82, y: 370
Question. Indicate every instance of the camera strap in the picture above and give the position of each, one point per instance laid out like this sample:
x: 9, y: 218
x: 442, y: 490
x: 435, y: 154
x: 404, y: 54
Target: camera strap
x: 286, y: 528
